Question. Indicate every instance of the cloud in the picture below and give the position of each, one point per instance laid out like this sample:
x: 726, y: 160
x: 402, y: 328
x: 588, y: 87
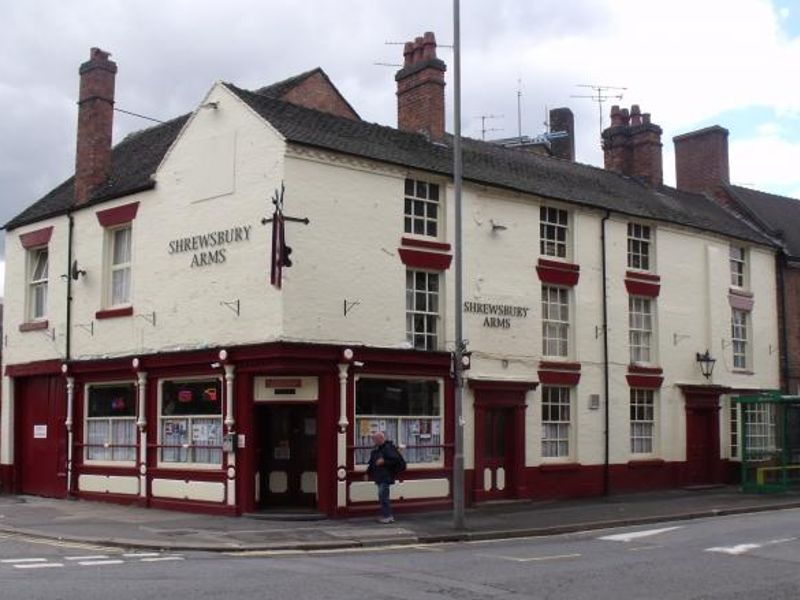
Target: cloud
x: 683, y: 61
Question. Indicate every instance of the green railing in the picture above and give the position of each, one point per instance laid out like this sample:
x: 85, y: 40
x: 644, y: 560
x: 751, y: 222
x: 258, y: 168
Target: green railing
x: 769, y: 423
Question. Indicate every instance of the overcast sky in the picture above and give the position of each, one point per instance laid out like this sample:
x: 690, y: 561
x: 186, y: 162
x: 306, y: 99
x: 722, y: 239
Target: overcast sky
x: 690, y: 63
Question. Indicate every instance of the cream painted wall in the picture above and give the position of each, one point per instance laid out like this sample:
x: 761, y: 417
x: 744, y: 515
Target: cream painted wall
x: 221, y: 173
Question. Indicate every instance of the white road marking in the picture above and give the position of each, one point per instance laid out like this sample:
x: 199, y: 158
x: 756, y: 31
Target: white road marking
x: 641, y: 548
x: 97, y: 563
x: 95, y: 557
x: 162, y: 558
x: 11, y: 561
x: 141, y: 554
x: 635, y: 535
x: 532, y: 558
x: 45, y: 565
x: 742, y: 548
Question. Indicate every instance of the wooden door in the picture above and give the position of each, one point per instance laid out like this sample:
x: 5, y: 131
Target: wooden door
x: 702, y: 446
x: 288, y: 455
x: 498, y: 452
x: 41, y: 445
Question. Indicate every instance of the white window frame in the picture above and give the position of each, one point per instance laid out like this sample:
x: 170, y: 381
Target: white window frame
x: 37, y: 285
x: 737, y: 259
x: 765, y: 418
x: 640, y: 247
x: 734, y: 431
x: 740, y: 339
x: 554, y: 232
x: 437, y: 464
x: 422, y: 208
x: 640, y: 329
x: 112, y: 267
x: 422, y: 309
x: 111, y: 420
x: 185, y: 465
x: 557, y: 432
x: 556, y: 329
x: 643, y: 417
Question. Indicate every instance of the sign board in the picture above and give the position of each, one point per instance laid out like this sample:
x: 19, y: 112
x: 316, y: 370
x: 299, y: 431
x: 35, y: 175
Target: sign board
x: 285, y: 389
x: 40, y: 432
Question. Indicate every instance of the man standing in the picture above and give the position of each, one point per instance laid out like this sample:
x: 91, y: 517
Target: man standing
x: 383, y: 461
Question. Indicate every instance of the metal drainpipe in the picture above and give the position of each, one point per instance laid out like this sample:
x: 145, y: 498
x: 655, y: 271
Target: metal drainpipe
x: 68, y: 337
x: 606, y: 466
x: 67, y: 356
x: 782, y: 264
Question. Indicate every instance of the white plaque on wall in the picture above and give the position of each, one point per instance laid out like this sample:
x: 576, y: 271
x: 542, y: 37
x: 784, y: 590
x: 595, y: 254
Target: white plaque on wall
x: 40, y: 432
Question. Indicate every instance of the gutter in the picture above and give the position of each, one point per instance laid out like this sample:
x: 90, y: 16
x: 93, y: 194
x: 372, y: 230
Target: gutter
x: 782, y: 263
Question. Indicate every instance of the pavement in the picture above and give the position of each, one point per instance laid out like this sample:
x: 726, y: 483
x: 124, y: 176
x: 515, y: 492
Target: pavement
x: 106, y: 524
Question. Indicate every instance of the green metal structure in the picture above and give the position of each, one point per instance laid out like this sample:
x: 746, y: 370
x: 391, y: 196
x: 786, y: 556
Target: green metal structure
x: 769, y: 423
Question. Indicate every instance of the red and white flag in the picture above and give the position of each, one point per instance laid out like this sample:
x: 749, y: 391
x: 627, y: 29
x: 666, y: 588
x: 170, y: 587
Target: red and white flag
x: 278, y: 244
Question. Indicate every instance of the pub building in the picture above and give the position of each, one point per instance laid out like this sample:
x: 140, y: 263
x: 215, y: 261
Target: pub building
x: 216, y: 313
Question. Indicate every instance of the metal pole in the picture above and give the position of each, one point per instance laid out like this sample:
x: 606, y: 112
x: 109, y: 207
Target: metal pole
x: 458, y: 367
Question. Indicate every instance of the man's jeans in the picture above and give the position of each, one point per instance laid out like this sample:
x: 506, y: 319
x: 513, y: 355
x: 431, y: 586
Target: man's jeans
x: 384, y: 490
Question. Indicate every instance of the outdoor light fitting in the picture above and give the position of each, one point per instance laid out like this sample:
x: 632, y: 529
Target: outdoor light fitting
x: 706, y: 364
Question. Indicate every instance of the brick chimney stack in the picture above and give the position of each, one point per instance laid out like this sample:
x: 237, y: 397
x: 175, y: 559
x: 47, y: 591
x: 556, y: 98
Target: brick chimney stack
x: 420, y: 88
x: 701, y: 159
x: 562, y: 119
x: 95, y: 123
x: 632, y: 145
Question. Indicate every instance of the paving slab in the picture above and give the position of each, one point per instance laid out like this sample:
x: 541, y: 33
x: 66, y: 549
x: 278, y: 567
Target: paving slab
x: 135, y: 527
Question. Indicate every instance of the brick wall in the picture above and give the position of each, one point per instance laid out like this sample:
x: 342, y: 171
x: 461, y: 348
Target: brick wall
x: 316, y: 92
x: 701, y: 159
x: 420, y: 89
x: 95, y: 123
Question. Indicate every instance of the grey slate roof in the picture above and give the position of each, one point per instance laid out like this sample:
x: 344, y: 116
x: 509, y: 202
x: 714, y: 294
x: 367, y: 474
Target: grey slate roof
x: 490, y: 164
x: 778, y: 214
x: 136, y: 158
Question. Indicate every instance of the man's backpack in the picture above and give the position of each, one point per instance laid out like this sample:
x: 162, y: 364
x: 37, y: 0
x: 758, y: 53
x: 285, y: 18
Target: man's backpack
x: 398, y: 462
x: 400, y: 465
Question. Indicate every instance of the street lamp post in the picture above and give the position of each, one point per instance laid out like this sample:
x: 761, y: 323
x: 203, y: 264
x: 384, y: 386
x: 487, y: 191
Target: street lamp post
x: 458, y: 365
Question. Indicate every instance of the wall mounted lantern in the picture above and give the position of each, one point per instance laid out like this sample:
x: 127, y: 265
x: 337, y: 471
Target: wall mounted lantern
x: 706, y: 364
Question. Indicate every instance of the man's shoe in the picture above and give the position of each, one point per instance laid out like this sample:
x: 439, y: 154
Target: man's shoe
x: 386, y: 520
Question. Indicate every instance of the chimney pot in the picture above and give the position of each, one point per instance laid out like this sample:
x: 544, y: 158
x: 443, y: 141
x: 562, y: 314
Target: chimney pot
x: 408, y: 54
x: 625, y: 116
x: 428, y: 46
x: 417, y: 50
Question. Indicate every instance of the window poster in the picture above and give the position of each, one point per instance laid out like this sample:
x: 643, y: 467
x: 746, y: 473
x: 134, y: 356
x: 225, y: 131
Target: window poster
x: 175, y: 428
x: 200, y: 433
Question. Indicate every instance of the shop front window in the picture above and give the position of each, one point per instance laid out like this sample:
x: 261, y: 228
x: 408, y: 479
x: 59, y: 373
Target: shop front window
x: 190, y: 422
x: 110, y: 422
x: 409, y: 412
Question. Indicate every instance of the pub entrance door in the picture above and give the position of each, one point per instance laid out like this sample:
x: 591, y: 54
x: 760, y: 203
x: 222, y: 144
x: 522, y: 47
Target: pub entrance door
x: 286, y: 455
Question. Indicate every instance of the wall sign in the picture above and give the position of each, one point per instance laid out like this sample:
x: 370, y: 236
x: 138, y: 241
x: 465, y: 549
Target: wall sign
x: 40, y: 432
x: 209, y: 248
x: 496, y: 315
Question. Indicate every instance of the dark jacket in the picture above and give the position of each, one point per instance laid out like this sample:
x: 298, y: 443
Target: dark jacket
x: 385, y: 472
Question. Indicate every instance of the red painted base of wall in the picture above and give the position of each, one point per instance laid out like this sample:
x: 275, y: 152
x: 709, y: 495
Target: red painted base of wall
x: 7, y: 479
x: 206, y: 508
x: 112, y: 498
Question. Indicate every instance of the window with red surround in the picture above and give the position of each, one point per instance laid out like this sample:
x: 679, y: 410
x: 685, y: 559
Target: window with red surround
x: 642, y: 284
x: 559, y: 373
x: 407, y: 241
x: 34, y: 326
x: 424, y: 259
x: 558, y: 273
x: 113, y: 313
x: 118, y: 215
x: 40, y: 237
